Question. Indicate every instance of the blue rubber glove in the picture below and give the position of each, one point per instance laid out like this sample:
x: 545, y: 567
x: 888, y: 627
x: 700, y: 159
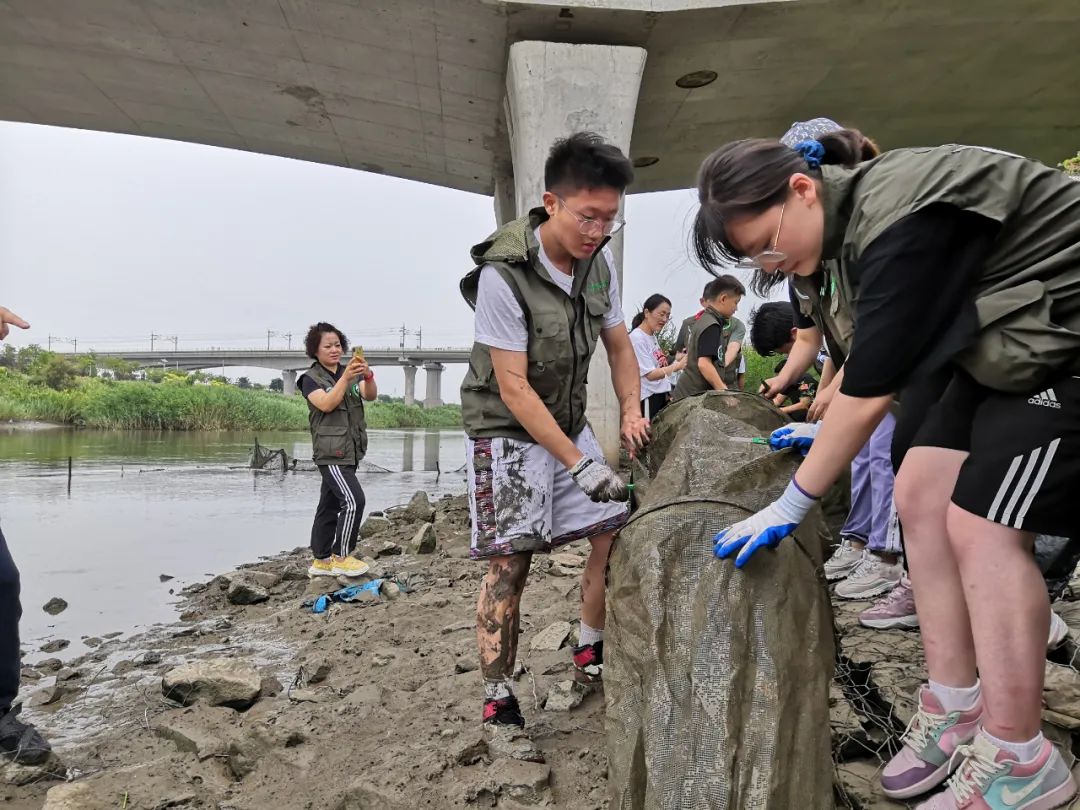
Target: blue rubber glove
x: 766, y: 528
x: 799, y: 436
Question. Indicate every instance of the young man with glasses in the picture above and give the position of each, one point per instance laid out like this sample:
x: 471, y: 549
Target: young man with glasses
x: 545, y: 290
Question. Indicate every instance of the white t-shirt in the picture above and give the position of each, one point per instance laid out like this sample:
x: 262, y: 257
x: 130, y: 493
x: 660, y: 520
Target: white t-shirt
x: 649, y: 357
x: 500, y: 320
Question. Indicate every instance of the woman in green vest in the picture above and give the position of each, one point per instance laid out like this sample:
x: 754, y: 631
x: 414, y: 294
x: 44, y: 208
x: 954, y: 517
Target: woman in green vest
x: 335, y: 394
x: 962, y: 265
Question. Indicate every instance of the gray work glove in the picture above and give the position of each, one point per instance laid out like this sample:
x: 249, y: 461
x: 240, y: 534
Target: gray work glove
x: 599, y: 481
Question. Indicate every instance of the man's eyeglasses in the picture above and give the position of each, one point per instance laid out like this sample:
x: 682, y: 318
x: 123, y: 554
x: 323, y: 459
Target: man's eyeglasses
x: 770, y: 257
x: 593, y: 227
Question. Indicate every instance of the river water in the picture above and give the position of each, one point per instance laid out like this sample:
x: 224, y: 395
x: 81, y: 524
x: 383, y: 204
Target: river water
x: 145, y: 504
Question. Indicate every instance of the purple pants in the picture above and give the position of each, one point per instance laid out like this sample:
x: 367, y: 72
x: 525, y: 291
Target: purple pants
x: 872, y: 492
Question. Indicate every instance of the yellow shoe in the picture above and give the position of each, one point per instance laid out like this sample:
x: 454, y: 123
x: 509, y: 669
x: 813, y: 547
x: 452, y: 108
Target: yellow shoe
x: 321, y: 568
x: 349, y: 567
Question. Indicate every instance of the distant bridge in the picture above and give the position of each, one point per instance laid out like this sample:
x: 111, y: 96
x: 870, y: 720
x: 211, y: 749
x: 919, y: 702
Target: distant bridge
x: 433, y: 361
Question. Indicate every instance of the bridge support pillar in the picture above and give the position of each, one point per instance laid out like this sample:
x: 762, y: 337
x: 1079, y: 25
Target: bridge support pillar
x: 433, y: 385
x: 547, y: 99
x: 410, y: 384
x: 288, y: 382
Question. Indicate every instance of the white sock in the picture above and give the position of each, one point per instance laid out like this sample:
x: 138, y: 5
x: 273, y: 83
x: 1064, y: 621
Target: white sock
x: 1025, y: 751
x: 957, y: 698
x: 497, y: 690
x: 589, y: 635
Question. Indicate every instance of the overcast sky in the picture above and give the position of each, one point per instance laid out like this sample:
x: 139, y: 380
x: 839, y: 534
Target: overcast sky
x: 107, y: 238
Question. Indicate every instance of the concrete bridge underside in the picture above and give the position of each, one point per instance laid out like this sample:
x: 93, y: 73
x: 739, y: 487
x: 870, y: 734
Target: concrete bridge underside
x: 470, y: 93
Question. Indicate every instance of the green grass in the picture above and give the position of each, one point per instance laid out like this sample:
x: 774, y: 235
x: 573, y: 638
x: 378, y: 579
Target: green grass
x: 99, y: 403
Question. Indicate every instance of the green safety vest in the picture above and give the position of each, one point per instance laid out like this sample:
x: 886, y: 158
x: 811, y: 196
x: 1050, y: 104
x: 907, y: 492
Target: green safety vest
x: 338, y: 437
x: 563, y: 331
x: 691, y: 380
x: 1027, y: 299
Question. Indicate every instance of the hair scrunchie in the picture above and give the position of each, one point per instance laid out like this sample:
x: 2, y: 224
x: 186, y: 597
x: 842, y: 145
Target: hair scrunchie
x: 812, y: 152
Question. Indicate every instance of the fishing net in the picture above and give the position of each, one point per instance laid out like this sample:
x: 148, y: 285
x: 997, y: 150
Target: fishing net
x: 717, y: 679
x: 263, y: 458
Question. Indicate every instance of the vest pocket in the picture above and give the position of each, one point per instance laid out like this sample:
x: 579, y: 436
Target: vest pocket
x: 330, y: 442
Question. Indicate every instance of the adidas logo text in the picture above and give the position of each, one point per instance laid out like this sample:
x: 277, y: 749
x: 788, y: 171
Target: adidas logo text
x: 1046, y: 399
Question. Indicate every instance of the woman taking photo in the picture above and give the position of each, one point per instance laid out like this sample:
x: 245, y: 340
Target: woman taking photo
x: 652, y: 360
x: 981, y: 250
x: 335, y: 394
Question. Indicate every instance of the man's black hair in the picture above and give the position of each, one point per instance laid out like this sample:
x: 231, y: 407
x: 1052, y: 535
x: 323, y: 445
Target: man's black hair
x: 770, y: 326
x: 723, y: 284
x: 585, y: 160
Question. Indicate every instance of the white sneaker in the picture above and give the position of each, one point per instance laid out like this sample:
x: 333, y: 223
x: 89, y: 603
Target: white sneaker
x: 843, y: 561
x: 871, y: 577
x: 1059, y: 631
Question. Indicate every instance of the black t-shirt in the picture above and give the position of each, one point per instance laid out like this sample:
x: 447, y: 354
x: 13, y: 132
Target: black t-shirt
x: 307, y: 384
x: 801, y: 321
x: 708, y: 344
x: 916, y: 305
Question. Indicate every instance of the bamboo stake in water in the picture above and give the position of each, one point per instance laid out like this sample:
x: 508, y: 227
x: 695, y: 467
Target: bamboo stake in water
x: 69, y: 476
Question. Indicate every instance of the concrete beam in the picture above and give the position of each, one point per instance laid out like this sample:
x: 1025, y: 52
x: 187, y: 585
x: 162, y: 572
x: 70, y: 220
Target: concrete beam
x: 288, y: 381
x: 552, y: 90
x: 410, y: 384
x: 433, y: 385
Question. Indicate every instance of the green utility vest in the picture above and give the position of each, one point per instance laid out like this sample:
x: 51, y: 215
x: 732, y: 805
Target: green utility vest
x: 563, y: 330
x: 1027, y: 299
x: 691, y: 380
x: 338, y: 437
x: 828, y: 302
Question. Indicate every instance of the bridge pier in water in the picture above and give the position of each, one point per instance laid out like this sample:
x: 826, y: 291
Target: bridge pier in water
x: 433, y: 385
x: 288, y: 382
x: 546, y: 99
x: 410, y: 384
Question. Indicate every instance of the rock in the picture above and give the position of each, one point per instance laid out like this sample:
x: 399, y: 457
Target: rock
x: 50, y: 665
x: 92, y: 642
x: 12, y: 773
x: 73, y: 796
x: 305, y: 696
x: 245, y: 591
x: 219, y: 682
x: 49, y: 694
x: 316, y: 668
x: 433, y: 600
x: 121, y: 668
x: 56, y: 645
x: 469, y: 748
x: 267, y: 579
x: 510, y: 742
x: 387, y: 549
x: 419, y: 509
x: 55, y: 606
x: 241, y: 762
x: 390, y: 590
x: 466, y: 663
x: 564, y: 696
x: 29, y: 674
x: 165, y: 577
x: 1061, y: 694
x: 68, y: 674
x: 551, y: 637
x: 190, y: 735
x: 567, y: 560
x: 149, y: 658
x: 525, y: 782
x: 423, y: 542
x: 375, y: 524
x: 271, y: 686
x: 381, y: 660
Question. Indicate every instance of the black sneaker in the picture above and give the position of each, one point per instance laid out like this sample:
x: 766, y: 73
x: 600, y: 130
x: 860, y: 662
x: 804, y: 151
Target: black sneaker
x: 589, y: 663
x: 503, y: 712
x: 20, y: 741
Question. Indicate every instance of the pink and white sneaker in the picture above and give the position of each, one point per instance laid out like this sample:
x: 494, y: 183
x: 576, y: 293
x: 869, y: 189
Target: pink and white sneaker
x: 990, y: 778
x: 931, y: 739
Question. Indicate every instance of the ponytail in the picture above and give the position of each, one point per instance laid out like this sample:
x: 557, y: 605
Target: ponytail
x: 637, y: 320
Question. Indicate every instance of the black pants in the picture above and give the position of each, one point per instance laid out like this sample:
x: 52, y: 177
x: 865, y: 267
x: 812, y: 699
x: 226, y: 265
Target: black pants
x: 10, y: 613
x: 655, y: 404
x: 341, y: 506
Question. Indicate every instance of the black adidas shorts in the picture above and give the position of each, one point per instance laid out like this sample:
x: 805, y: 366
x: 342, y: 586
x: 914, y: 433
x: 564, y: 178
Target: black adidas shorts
x: 1023, y: 467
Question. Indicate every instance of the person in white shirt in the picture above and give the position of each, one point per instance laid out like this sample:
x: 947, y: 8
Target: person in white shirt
x: 652, y: 361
